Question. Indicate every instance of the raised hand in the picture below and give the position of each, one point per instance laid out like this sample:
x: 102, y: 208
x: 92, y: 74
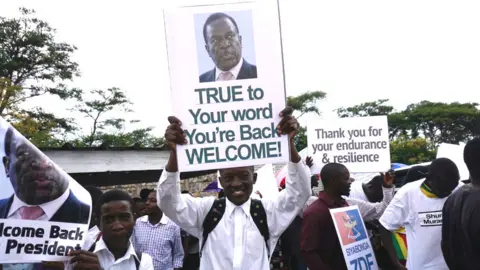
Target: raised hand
x: 174, y: 134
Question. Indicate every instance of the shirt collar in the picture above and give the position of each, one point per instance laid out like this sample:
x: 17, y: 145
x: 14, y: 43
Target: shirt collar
x: 235, y: 70
x: 100, y: 245
x: 49, y: 208
x: 163, y: 220
x: 330, y: 202
x: 94, y: 230
x: 230, y: 207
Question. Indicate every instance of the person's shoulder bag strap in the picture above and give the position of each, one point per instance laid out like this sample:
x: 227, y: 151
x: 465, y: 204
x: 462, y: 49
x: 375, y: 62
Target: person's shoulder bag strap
x: 213, y: 217
x: 259, y: 217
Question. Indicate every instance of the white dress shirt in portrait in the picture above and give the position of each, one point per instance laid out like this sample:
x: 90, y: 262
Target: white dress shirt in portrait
x: 49, y: 208
x: 234, y: 71
x: 236, y: 242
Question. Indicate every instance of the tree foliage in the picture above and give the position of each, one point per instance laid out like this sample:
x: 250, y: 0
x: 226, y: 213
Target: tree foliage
x: 106, y: 129
x: 31, y: 59
x: 42, y: 128
x: 417, y: 130
x: 32, y: 64
x: 373, y: 108
x: 412, y: 151
x: 306, y: 102
x: 442, y: 122
x: 303, y: 104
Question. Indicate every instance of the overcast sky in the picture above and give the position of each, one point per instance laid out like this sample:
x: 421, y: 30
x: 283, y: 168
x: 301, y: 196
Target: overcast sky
x: 355, y: 51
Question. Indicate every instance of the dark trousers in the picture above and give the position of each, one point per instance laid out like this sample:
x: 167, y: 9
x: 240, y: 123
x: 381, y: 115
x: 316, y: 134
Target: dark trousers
x: 192, y: 262
x: 295, y: 262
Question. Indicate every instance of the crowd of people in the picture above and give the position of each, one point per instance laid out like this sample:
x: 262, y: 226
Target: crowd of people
x: 428, y: 223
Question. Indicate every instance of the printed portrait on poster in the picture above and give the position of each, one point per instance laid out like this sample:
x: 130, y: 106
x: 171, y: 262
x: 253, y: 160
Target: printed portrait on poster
x: 225, y: 46
x: 44, y: 213
x: 37, y: 181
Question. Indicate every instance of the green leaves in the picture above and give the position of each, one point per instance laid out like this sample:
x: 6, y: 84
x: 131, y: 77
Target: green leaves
x: 416, y: 131
x: 303, y: 104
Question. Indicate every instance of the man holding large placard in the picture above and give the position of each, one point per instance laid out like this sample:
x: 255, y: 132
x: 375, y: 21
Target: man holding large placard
x: 243, y: 230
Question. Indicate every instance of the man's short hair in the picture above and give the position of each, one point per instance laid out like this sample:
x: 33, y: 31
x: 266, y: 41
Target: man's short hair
x: 138, y: 200
x: 331, y: 172
x: 112, y: 196
x: 8, y: 140
x: 214, y: 17
x: 471, y: 157
x: 144, y: 193
x: 95, y: 193
x: 185, y: 192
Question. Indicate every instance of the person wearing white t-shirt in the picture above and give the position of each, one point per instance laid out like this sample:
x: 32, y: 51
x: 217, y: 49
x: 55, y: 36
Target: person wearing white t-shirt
x: 417, y: 206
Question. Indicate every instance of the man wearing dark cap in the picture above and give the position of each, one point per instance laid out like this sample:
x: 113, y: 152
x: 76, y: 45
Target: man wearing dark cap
x: 417, y: 206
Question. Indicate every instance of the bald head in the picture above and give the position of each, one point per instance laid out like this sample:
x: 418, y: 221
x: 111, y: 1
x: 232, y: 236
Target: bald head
x: 336, y: 179
x: 332, y: 172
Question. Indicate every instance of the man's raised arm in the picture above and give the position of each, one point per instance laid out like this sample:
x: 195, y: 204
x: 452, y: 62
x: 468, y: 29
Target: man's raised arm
x: 186, y: 211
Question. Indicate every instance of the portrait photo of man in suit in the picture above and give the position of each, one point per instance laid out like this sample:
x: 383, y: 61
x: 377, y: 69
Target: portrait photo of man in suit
x: 224, y: 46
x: 41, y: 190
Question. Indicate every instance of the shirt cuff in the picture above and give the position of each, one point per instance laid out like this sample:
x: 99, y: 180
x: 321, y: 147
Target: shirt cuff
x: 387, y: 190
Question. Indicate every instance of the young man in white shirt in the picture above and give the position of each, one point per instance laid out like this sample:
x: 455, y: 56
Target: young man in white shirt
x: 114, y: 249
x: 417, y: 206
x: 236, y: 241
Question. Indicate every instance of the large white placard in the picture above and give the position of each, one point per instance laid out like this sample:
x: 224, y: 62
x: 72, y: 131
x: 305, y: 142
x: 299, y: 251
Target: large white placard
x: 227, y: 83
x: 46, y: 213
x: 352, y: 234
x: 33, y: 241
x: 455, y: 153
x: 360, y: 143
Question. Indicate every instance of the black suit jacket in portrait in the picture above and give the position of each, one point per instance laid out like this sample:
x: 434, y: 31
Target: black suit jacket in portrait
x: 247, y: 71
x: 71, y: 211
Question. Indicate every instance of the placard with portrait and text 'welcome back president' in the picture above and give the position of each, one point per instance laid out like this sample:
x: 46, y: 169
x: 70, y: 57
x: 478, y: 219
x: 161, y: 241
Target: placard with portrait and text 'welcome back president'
x: 44, y: 213
x: 227, y: 83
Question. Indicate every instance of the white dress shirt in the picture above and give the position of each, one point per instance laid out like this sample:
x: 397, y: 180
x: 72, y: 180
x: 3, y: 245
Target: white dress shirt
x: 371, y: 211
x: 49, y: 208
x: 235, y: 243
x: 92, y: 236
x: 127, y: 262
x: 235, y: 70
